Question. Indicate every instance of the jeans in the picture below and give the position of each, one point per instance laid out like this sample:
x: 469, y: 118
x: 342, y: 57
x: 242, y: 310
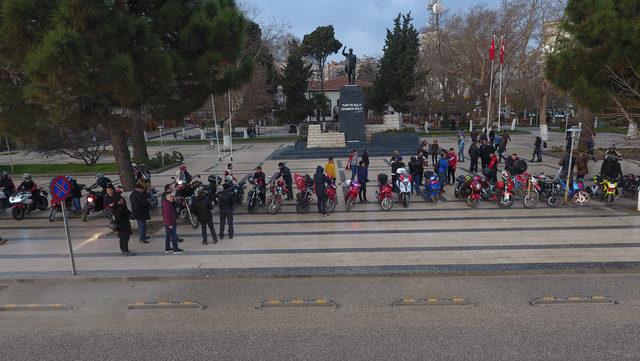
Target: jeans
x: 322, y: 203
x: 354, y: 171
x: 171, y: 238
x: 289, y: 183
x: 461, y: 151
x: 443, y: 180
x: 416, y: 182
x: 451, y: 175
x: 142, y: 228
x: 537, y: 152
x: 226, y: 216
x: 204, y: 225
x: 362, y: 194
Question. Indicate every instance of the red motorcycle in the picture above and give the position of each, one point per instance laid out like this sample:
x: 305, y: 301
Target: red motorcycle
x: 505, y: 190
x: 332, y: 197
x: 475, y: 195
x: 385, y: 193
x: 305, y: 193
x: 351, y: 193
x: 278, y: 190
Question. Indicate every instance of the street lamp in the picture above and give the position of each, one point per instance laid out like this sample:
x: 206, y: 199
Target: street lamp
x: 161, y: 128
x: 575, y: 131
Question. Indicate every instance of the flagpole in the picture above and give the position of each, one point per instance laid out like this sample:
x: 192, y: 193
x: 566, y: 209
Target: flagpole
x: 500, y: 89
x: 490, y: 83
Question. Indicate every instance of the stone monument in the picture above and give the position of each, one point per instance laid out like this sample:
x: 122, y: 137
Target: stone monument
x: 353, y: 114
x: 350, y: 65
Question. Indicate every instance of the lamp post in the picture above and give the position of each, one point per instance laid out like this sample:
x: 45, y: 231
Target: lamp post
x: 161, y: 128
x: 575, y: 131
x: 9, y: 152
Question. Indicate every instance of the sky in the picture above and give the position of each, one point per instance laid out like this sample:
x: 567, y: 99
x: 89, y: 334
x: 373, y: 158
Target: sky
x: 359, y: 24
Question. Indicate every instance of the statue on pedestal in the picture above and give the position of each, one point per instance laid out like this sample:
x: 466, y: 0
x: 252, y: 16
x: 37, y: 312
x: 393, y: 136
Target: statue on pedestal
x: 350, y: 66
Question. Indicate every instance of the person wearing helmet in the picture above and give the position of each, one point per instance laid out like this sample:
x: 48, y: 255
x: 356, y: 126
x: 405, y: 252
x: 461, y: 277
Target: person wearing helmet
x: 261, y: 182
x: 184, y: 175
x: 7, y: 187
x: 396, y: 162
x: 228, y: 173
x: 27, y: 183
x: 611, y: 168
x: 102, y: 181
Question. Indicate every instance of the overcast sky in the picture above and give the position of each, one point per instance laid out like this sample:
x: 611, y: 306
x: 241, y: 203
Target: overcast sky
x: 360, y: 24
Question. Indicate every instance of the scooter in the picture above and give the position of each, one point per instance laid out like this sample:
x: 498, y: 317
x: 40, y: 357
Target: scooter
x: 384, y: 193
x: 432, y: 186
x: 577, y: 191
x: 351, y: 193
x: 403, y: 185
x: 304, y: 184
x: 24, y: 202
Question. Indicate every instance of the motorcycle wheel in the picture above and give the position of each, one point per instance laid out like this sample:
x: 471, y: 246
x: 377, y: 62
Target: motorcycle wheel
x: 608, y: 201
x: 17, y: 213
x: 472, y: 202
x: 553, y: 201
x: 85, y: 213
x: 581, y: 199
x: 108, y: 213
x: 386, y: 204
x: 331, y: 206
x: 274, y: 207
x: 405, y: 200
x: 530, y: 200
x: 52, y: 214
x: 349, y: 203
x: 302, y: 207
x: 193, y: 219
x: 43, y: 205
x: 505, y: 203
x: 251, y: 206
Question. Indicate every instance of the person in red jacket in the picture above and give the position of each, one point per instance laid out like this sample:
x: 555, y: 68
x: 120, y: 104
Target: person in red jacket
x: 452, y: 158
x: 492, y: 168
x: 170, y: 221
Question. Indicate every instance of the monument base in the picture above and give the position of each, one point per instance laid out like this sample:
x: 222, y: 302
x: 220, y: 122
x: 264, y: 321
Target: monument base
x: 353, y: 114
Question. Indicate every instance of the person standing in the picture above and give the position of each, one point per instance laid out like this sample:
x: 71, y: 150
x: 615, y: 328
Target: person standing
x: 330, y: 169
x: 352, y: 163
x: 285, y: 173
x: 491, y: 171
x: 505, y: 140
x: 435, y: 150
x: 121, y: 217
x: 225, y: 202
x: 537, y: 150
x: 140, y: 209
x: 441, y: 169
x: 365, y: 162
x: 452, y: 158
x: 170, y: 222
x: 474, y: 154
x: 461, y: 145
x: 492, y: 136
x: 498, y: 145
x: 202, y: 209
x: 582, y: 165
x: 484, y: 153
x: 362, y: 178
x: 320, y: 180
x: 261, y: 183
x: 416, y: 170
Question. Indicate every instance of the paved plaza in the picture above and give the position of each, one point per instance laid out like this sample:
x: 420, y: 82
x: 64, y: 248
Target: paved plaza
x: 426, y: 237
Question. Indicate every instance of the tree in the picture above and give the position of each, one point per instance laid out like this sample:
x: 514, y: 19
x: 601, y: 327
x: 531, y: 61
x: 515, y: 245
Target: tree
x: 397, y: 74
x: 294, y: 81
x: 597, y: 54
x: 318, y: 45
x: 88, y: 146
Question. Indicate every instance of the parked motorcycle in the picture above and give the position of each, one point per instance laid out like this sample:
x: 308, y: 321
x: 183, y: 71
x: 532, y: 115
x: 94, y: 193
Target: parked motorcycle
x: 432, y: 186
x: 351, y: 193
x: 304, y: 184
x: 475, y: 195
x: 332, y: 198
x: 505, y: 190
x: 630, y: 185
x: 403, y: 185
x: 531, y: 191
x: 56, y: 207
x: 577, y: 192
x: 278, y: 191
x: 384, y: 193
x: 462, y: 188
x: 25, y: 202
x: 93, y: 203
x: 611, y: 191
x: 183, y: 210
x: 253, y: 198
x: 238, y: 192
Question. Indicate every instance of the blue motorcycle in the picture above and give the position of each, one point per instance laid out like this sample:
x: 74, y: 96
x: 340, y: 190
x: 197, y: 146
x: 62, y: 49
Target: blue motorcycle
x: 432, y: 186
x: 577, y: 193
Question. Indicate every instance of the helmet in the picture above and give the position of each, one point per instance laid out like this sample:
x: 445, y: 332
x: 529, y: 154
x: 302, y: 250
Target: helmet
x: 468, y: 178
x: 142, y: 167
x: 399, y: 158
x: 99, y: 175
x: 134, y: 166
x: 212, y: 179
x: 4, y: 174
x: 228, y: 179
x: 26, y: 176
x: 183, y: 167
x: 280, y: 183
x: 505, y: 174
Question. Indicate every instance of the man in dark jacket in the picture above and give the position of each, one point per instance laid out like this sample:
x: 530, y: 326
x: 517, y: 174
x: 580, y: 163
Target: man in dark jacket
x: 261, y: 182
x: 225, y: 202
x: 202, y: 209
x: 8, y: 188
x: 321, y: 180
x: 285, y: 173
x: 140, y: 208
x: 416, y: 170
x: 362, y: 178
x: 121, y: 216
x: 474, y: 154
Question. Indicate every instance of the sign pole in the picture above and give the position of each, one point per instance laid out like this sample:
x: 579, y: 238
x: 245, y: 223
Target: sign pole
x: 66, y: 230
x: 9, y: 152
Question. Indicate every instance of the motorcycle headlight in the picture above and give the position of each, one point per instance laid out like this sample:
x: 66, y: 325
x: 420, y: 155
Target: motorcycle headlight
x: 90, y: 199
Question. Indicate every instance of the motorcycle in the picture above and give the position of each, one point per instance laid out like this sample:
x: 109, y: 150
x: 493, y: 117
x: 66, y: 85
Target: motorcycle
x: 351, y: 193
x: 304, y: 184
x: 598, y: 188
x: 278, y: 191
x: 24, y: 202
x: 403, y: 185
x: 432, y: 186
x: 630, y: 185
x: 56, y: 207
x: 462, y: 189
x: 505, y: 192
x: 94, y: 203
x: 332, y: 198
x: 611, y: 191
x: 577, y: 192
x: 384, y: 193
x: 531, y: 190
x: 253, y: 199
x: 238, y: 192
x: 489, y: 191
x: 184, y: 210
x: 475, y: 195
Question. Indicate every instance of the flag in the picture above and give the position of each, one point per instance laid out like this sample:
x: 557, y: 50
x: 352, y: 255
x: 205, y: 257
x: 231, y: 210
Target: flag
x: 492, y: 49
x: 502, y: 51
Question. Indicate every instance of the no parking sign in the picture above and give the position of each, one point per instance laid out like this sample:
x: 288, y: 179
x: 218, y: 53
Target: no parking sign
x: 60, y: 190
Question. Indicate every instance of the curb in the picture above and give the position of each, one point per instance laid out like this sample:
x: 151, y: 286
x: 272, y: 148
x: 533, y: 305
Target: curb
x: 296, y: 302
x: 455, y: 301
x: 163, y: 305
x: 35, y: 307
x: 548, y: 300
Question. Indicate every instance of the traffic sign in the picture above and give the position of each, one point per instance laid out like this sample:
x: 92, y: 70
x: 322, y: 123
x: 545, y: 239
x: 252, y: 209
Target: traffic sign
x: 60, y: 188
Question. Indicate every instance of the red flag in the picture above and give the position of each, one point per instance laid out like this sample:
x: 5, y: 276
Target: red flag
x: 492, y: 49
x: 502, y: 51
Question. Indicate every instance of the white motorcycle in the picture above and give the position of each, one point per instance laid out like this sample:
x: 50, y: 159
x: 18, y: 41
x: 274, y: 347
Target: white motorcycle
x: 23, y: 203
x: 403, y: 185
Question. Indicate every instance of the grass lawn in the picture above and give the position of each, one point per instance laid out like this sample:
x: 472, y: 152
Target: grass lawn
x: 259, y: 139
x: 61, y: 169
